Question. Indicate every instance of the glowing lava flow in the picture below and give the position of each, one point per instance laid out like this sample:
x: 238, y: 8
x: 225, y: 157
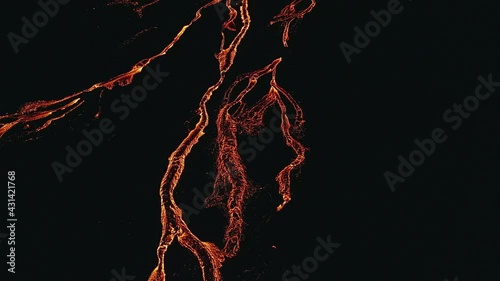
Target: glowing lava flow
x: 289, y: 14
x: 208, y: 254
x: 232, y: 186
x: 231, y: 182
x: 46, y: 112
x: 39, y: 115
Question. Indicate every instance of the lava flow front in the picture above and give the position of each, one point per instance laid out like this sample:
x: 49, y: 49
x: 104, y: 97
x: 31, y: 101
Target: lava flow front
x: 232, y: 186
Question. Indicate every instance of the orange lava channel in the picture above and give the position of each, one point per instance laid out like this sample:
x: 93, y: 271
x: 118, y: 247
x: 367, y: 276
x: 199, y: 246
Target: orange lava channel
x: 232, y: 186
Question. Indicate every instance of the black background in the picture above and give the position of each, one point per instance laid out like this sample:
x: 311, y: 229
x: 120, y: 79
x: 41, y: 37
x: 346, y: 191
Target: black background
x: 442, y: 222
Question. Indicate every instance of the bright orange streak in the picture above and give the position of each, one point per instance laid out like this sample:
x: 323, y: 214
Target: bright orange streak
x: 232, y: 185
x: 288, y: 14
x: 43, y: 110
x: 208, y: 254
